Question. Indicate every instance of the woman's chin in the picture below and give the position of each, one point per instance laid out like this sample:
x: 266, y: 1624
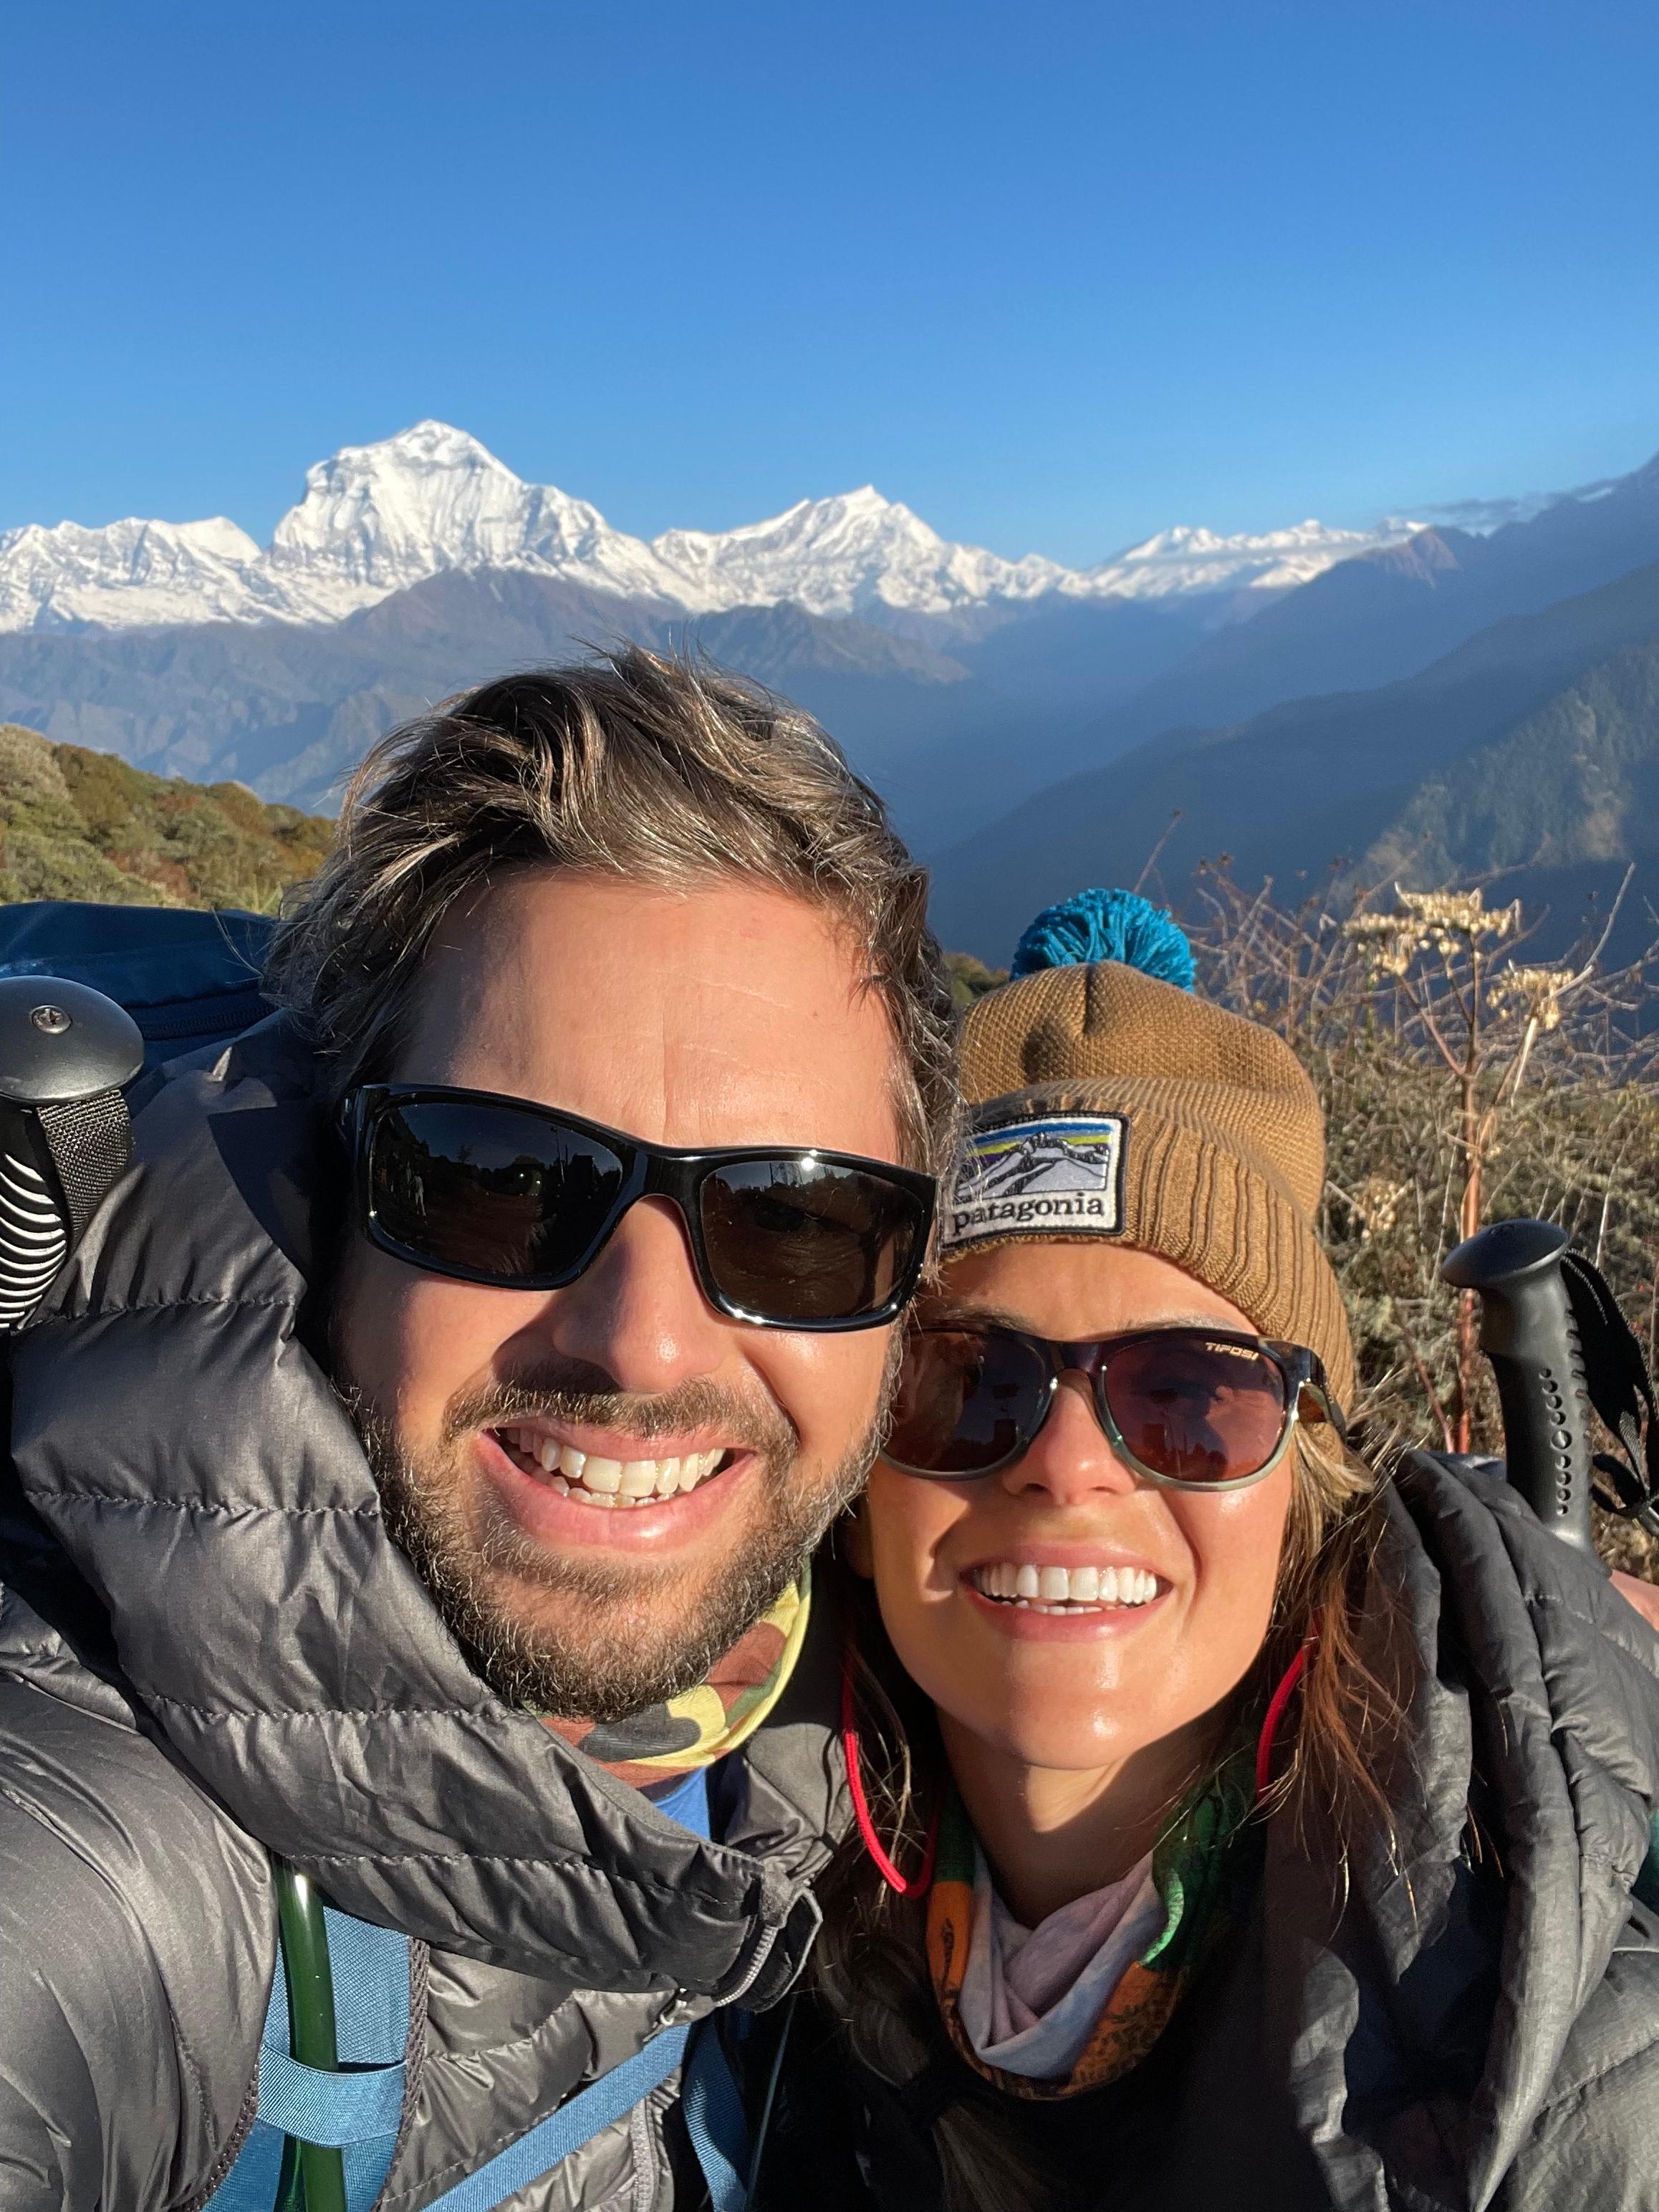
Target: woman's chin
x: 1057, y: 1739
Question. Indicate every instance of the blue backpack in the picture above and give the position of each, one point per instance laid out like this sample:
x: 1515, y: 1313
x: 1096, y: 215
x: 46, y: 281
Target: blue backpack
x: 186, y: 979
x: 325, y: 2134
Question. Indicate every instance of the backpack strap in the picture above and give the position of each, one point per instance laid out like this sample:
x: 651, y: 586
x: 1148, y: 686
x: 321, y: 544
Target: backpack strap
x: 576, y: 2122
x: 355, y: 2113
x: 353, y: 2116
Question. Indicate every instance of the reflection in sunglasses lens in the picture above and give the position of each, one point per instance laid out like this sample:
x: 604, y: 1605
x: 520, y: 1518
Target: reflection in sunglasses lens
x: 498, y: 1192
x: 966, y: 1400
x: 806, y: 1240
x: 1189, y: 1408
x: 1194, y: 1408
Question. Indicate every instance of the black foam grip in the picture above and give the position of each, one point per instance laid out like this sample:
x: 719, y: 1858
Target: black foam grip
x: 1529, y: 1332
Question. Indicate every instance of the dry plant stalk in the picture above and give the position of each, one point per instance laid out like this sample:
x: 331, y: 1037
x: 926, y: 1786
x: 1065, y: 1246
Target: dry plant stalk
x: 1461, y: 1084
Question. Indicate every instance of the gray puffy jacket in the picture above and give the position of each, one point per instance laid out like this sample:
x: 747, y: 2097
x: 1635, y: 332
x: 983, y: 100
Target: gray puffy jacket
x: 210, y: 1652
x: 1436, y: 2025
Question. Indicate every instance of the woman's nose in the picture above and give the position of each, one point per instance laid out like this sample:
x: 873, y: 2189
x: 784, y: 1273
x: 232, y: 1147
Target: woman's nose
x: 1071, y: 1458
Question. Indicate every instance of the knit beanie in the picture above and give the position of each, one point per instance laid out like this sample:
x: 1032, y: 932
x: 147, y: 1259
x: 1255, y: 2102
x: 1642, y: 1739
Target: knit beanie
x: 1107, y: 1104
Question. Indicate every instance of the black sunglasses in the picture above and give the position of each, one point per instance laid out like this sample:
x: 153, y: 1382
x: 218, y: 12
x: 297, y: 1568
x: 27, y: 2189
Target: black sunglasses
x: 1191, y: 1408
x: 523, y: 1197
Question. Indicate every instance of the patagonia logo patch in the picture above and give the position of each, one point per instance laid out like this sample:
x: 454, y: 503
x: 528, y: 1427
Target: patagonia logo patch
x: 1063, y: 1177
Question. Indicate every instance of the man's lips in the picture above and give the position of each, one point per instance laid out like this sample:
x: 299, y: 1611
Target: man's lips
x: 605, y: 1468
x: 565, y: 1514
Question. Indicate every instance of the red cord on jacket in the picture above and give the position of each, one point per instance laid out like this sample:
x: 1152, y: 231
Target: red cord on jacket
x: 1276, y: 1704
x: 922, y: 1882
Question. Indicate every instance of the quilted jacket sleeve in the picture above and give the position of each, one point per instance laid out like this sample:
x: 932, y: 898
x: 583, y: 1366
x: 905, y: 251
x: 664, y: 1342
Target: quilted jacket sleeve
x: 115, y: 2092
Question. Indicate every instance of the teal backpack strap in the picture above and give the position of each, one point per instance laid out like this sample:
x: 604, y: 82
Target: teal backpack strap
x: 713, y: 2116
x: 323, y: 2139
x: 332, y: 2080
x: 712, y: 2106
x: 576, y: 2122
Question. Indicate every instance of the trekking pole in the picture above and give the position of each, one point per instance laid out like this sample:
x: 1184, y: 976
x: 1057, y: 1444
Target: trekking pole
x: 65, y: 1051
x: 1530, y: 1332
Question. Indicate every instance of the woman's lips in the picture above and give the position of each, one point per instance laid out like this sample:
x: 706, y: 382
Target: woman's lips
x: 1076, y: 1597
x: 1022, y: 1582
x: 563, y: 1515
x: 1062, y: 1624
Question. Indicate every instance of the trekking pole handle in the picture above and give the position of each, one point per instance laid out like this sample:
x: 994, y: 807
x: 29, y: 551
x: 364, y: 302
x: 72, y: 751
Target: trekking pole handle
x: 1529, y: 1333
x: 62, y: 1042
x: 65, y: 1052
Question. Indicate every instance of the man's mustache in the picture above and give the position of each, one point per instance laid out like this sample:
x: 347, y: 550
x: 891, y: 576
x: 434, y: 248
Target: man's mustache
x: 579, y: 1395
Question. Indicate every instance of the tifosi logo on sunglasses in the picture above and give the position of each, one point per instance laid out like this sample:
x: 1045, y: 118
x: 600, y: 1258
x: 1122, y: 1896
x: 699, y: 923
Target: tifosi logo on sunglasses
x: 1063, y: 1177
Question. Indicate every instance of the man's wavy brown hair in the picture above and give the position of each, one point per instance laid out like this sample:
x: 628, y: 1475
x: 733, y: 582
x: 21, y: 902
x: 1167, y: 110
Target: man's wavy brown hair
x: 630, y: 765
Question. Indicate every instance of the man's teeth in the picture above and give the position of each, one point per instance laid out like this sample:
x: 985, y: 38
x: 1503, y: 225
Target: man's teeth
x: 593, y: 1481
x: 1064, y: 1589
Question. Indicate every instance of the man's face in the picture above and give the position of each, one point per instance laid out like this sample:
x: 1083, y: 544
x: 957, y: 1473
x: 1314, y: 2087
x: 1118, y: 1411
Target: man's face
x: 501, y: 1422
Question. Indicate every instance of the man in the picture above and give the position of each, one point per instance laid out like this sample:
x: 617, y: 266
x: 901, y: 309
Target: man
x: 423, y: 1451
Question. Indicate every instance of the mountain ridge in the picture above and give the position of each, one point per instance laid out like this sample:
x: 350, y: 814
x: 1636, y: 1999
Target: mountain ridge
x: 373, y: 520
x: 291, y: 710
x: 1287, y: 793
x: 76, y: 824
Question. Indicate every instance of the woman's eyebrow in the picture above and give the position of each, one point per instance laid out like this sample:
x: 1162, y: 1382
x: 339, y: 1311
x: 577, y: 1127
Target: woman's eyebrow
x: 949, y: 1313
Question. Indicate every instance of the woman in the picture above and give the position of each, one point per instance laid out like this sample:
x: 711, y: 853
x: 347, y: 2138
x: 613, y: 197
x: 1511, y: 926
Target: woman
x: 1234, y: 1831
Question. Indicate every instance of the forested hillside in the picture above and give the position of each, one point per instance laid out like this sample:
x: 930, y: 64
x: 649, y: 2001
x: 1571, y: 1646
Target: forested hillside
x: 85, y: 825
x: 1530, y: 750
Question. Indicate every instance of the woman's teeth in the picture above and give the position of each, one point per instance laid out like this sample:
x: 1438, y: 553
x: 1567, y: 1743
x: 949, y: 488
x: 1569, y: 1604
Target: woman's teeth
x: 1064, y: 1589
x: 592, y: 1480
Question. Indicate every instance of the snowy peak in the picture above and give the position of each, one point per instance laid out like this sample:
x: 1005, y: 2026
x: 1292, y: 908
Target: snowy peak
x: 1186, y: 560
x: 855, y: 554
x: 375, y: 519
x: 155, y: 572
x: 382, y: 515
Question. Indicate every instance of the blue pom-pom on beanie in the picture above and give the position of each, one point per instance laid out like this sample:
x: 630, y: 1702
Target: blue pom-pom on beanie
x: 1102, y: 925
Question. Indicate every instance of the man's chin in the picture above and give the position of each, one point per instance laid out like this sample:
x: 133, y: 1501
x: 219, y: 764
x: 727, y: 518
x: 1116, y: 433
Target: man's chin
x: 591, y: 1613
x: 572, y: 1656
x: 602, y: 1630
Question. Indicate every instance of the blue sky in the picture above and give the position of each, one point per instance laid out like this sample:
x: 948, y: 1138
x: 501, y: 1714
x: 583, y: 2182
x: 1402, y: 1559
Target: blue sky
x: 1056, y: 275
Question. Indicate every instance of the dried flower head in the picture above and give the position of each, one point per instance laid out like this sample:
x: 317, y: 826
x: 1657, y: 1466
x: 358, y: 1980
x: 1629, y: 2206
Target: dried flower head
x: 1445, y: 922
x: 1535, y: 991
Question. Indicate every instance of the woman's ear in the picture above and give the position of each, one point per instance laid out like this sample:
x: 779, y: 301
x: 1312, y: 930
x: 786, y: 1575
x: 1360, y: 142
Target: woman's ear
x: 854, y: 1541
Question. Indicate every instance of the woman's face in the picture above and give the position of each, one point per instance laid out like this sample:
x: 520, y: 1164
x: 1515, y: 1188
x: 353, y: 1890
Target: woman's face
x: 1085, y: 1690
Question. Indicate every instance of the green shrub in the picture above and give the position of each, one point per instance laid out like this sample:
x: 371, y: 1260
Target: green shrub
x: 87, y: 826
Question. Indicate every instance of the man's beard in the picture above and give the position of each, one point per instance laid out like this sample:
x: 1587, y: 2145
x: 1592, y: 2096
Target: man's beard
x: 632, y: 1636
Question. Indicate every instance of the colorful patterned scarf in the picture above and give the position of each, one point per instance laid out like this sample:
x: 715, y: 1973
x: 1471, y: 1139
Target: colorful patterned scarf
x: 666, y: 1742
x: 1202, y: 1868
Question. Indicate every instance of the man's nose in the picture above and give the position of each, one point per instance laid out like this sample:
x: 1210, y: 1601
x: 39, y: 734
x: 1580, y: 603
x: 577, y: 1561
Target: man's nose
x: 1071, y: 1460
x: 638, y: 1313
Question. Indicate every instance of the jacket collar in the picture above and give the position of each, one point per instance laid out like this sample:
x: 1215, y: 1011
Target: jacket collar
x: 173, y: 1431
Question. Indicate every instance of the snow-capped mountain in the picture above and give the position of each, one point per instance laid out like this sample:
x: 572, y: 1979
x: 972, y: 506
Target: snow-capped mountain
x: 125, y: 574
x: 856, y: 553
x: 376, y: 518
x: 1185, y: 561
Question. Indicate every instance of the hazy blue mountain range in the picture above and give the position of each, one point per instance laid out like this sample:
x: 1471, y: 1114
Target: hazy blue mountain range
x: 1369, y: 620
x: 290, y: 709
x: 1530, y: 749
